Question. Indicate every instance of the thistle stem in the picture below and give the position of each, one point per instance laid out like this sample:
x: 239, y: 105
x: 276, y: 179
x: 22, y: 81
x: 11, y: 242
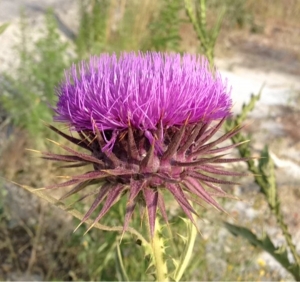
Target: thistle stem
x: 287, y: 236
x: 157, y: 246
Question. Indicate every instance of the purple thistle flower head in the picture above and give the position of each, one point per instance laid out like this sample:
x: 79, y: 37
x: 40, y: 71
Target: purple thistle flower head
x: 142, y: 90
x: 147, y: 120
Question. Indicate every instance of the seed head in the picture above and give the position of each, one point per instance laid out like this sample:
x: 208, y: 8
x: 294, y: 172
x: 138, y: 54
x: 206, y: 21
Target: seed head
x: 147, y: 121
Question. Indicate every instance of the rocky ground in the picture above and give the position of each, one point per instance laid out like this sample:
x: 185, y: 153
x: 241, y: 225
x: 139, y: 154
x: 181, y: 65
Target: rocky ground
x: 249, y: 65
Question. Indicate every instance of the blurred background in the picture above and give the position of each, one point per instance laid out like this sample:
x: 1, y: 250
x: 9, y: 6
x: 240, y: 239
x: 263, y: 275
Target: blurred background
x: 258, y: 46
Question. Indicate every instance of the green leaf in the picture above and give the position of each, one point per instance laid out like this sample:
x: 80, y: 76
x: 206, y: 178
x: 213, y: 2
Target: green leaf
x: 265, y: 243
x: 3, y: 27
x: 121, y: 271
x: 185, y: 258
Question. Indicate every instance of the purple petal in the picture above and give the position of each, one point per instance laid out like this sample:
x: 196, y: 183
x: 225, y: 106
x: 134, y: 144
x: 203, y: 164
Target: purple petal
x: 142, y: 90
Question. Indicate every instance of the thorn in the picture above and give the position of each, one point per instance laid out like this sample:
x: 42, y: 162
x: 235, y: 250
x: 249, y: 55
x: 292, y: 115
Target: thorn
x: 53, y: 142
x: 63, y: 176
x: 89, y: 228
x: 243, y: 142
x: 23, y: 186
x: 78, y: 227
x: 121, y: 237
x: 37, y: 189
x: 35, y: 151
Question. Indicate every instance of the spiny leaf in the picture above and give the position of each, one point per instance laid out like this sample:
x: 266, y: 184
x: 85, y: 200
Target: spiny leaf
x: 186, y: 256
x: 120, y: 265
x: 267, y: 245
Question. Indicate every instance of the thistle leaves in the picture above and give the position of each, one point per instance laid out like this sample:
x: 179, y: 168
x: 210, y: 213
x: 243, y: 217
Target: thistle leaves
x: 265, y: 243
x: 186, y: 256
x: 121, y: 270
x: 264, y: 176
x: 207, y: 37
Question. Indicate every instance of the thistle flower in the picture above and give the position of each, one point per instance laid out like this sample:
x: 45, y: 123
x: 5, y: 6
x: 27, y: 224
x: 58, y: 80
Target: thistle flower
x: 147, y: 121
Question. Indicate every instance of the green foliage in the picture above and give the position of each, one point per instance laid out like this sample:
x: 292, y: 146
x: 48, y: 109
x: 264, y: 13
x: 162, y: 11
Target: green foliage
x: 91, y: 38
x: 265, y: 243
x: 101, y: 30
x: 104, y: 256
x: 164, y: 29
x: 95, y: 254
x: 132, y: 28
x: 189, y: 241
x: 3, y: 27
x: 264, y: 176
x: 207, y: 37
x: 237, y: 12
x: 96, y: 250
x: 28, y: 91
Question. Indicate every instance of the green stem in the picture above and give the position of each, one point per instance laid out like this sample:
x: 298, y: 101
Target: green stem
x: 264, y: 176
x: 273, y: 201
x: 202, y: 19
x: 200, y: 26
x: 286, y: 234
x: 120, y: 265
x: 274, y: 207
x: 157, y: 245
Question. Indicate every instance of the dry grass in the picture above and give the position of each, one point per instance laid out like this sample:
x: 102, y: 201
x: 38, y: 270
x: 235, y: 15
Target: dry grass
x: 285, y: 12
